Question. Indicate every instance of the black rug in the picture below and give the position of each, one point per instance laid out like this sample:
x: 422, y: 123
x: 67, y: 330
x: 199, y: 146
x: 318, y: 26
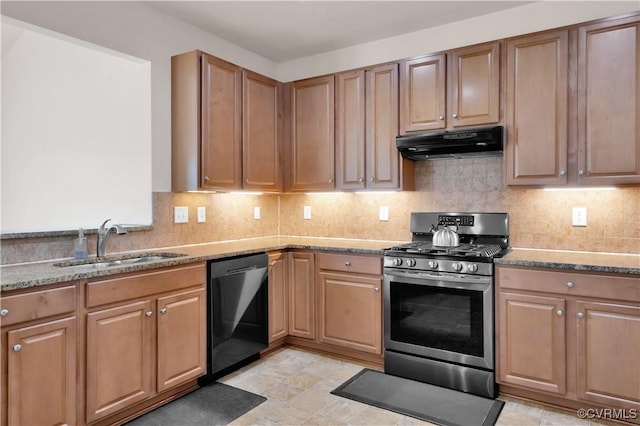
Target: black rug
x: 420, y: 400
x: 215, y: 404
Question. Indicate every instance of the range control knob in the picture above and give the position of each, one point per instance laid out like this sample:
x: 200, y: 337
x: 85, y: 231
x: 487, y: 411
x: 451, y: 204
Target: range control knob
x: 411, y: 262
x: 433, y: 264
x: 457, y: 266
x: 472, y: 267
x: 397, y: 261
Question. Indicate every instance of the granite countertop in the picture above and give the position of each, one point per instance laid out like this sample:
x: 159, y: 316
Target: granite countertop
x: 573, y: 260
x: 35, y: 274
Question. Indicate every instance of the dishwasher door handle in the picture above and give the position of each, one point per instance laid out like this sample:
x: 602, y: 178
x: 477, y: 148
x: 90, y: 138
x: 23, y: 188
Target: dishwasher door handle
x: 240, y: 270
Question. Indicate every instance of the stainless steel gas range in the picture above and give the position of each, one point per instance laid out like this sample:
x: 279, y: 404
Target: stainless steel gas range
x: 439, y: 300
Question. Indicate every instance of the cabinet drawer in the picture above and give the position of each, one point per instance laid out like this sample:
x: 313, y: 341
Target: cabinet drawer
x: 144, y: 284
x: 350, y: 263
x: 39, y: 304
x: 570, y: 283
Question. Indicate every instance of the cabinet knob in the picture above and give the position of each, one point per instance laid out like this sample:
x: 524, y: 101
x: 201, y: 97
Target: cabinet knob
x: 570, y: 284
x: 272, y: 263
x: 376, y: 289
x: 4, y: 312
x: 360, y: 180
x: 148, y: 313
x: 163, y: 310
x: 441, y: 117
x: 330, y: 180
x: 206, y: 178
x: 563, y: 172
x: 580, y: 315
x: 559, y: 312
x: 371, y: 179
x: 455, y: 115
x: 347, y: 263
x: 17, y: 347
x: 581, y: 172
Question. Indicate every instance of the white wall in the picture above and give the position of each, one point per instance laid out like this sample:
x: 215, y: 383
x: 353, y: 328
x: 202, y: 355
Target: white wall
x: 144, y: 32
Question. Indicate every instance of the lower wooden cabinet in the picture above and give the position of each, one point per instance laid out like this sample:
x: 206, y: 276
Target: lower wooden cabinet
x: 572, y: 335
x: 301, y: 294
x: 278, y: 296
x: 152, y: 341
x: 39, y: 357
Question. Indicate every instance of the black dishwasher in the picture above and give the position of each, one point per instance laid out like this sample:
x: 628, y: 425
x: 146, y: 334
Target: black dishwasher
x: 237, y: 313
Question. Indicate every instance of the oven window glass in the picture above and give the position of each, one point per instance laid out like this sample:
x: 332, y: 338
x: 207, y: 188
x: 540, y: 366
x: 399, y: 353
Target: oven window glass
x: 436, y: 317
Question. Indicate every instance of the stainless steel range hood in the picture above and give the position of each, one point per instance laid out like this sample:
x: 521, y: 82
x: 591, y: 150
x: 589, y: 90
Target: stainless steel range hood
x: 479, y: 142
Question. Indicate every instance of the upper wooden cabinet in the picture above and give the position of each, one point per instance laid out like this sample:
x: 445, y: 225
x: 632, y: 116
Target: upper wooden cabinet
x: 609, y: 102
x: 312, y: 153
x: 366, y: 130
x: 536, y: 106
x: 226, y: 125
x: 457, y: 89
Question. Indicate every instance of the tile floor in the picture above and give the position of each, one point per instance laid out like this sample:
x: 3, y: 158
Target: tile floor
x: 297, y: 385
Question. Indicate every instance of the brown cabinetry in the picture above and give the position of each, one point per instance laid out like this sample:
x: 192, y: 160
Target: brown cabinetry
x: 146, y: 332
x: 366, y: 130
x: 609, y: 102
x: 350, y: 301
x: 312, y: 153
x: 39, y: 346
x: 572, y: 335
x: 225, y: 126
x: 433, y: 97
x: 536, y: 117
x: 301, y: 294
x: 278, y: 296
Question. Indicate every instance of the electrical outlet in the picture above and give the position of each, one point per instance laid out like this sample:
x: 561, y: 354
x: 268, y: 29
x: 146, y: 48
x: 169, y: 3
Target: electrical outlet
x: 307, y: 212
x: 202, y: 214
x: 180, y: 214
x: 579, y: 216
x: 256, y: 212
x: 384, y: 213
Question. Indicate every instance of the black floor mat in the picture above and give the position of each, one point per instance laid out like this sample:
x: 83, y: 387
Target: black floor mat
x: 215, y: 404
x: 420, y: 400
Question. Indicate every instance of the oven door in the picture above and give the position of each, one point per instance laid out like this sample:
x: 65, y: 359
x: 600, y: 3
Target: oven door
x: 442, y: 316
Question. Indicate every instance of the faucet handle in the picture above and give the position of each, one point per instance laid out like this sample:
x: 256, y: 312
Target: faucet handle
x: 104, y: 224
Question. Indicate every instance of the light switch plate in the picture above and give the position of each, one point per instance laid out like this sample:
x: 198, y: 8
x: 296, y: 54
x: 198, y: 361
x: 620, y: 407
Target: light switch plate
x: 384, y: 213
x: 579, y: 216
x: 307, y: 212
x: 256, y: 212
x: 180, y: 214
x: 202, y: 214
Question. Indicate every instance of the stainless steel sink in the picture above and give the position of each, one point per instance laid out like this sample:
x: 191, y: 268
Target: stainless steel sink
x: 107, y: 262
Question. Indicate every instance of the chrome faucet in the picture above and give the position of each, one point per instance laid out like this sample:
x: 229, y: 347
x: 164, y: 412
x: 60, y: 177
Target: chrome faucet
x: 103, y: 236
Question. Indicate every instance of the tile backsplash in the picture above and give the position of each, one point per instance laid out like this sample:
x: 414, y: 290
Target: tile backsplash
x: 538, y: 219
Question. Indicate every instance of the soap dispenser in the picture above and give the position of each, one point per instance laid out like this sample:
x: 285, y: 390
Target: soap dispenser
x: 80, y: 246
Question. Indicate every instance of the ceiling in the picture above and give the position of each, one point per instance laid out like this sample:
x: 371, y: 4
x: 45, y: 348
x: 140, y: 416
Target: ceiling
x: 287, y: 30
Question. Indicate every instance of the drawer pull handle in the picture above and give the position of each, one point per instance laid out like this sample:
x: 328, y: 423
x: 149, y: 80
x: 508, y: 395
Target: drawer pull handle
x: 163, y: 310
x: 570, y: 284
x: 4, y: 312
x: 559, y: 312
x: 376, y: 289
x: 17, y: 347
x: 148, y: 313
x: 580, y: 315
x: 347, y: 263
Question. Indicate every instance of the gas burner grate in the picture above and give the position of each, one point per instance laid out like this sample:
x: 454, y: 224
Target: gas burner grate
x: 463, y: 250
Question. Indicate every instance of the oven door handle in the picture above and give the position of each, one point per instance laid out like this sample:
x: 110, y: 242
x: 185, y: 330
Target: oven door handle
x: 480, y: 280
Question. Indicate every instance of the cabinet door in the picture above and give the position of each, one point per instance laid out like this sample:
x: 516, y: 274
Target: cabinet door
x: 278, y: 296
x: 383, y: 159
x: 536, y: 110
x: 423, y: 93
x: 312, y: 135
x: 474, y: 86
x: 182, y: 338
x: 261, y: 152
x: 221, y: 131
x: 609, y: 102
x: 118, y: 358
x: 350, y: 311
x: 301, y: 298
x: 42, y: 374
x: 532, y: 348
x: 350, y: 130
x: 608, y: 350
